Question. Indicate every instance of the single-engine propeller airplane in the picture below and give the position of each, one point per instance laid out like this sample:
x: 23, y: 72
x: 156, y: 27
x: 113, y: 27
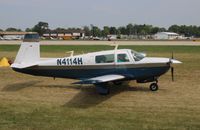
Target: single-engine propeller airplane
x: 98, y: 68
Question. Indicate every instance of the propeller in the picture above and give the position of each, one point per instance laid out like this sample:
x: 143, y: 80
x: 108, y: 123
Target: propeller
x: 172, y: 68
x: 172, y: 73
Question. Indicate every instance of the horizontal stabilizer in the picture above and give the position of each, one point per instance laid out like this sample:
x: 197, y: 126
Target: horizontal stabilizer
x: 173, y: 61
x: 101, y: 79
x: 22, y: 66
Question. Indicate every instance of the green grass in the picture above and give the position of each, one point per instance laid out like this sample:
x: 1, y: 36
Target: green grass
x: 97, y: 118
x: 28, y: 102
x: 89, y: 48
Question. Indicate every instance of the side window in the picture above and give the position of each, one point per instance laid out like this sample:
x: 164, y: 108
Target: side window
x: 122, y: 58
x: 104, y: 58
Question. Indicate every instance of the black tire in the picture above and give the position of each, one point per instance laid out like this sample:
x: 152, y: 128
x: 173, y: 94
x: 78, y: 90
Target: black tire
x: 154, y: 87
x: 117, y: 83
x: 102, y: 90
x: 105, y: 93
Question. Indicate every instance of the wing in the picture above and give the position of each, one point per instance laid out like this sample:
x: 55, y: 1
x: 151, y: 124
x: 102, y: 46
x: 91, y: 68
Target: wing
x: 101, y: 79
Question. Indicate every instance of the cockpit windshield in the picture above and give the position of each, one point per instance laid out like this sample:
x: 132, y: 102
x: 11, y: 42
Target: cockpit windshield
x: 137, y: 56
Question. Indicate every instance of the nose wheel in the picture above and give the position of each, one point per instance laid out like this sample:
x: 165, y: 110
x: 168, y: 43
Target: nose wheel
x: 153, y: 87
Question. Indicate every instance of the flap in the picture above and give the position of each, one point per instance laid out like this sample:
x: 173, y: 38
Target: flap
x: 101, y: 79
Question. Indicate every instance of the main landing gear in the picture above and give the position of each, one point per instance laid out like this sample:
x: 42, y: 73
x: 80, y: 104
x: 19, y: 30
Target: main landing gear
x: 154, y: 86
x: 102, y: 88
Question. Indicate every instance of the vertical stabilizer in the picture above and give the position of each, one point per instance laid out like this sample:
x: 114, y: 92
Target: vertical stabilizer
x: 29, y: 53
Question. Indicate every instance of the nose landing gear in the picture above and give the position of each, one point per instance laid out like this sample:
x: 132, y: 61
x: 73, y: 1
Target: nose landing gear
x: 154, y: 86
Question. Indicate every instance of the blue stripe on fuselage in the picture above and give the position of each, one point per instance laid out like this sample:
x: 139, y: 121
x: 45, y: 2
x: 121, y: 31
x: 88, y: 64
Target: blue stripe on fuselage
x: 130, y: 73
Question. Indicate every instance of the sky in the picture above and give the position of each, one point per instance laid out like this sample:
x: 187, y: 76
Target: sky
x: 78, y: 13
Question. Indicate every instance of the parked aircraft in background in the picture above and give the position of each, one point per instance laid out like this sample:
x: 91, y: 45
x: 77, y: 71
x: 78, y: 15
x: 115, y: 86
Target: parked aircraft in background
x: 98, y: 68
x: 12, y: 37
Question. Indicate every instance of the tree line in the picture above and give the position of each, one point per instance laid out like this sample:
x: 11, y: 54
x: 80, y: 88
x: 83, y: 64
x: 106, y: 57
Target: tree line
x: 130, y: 29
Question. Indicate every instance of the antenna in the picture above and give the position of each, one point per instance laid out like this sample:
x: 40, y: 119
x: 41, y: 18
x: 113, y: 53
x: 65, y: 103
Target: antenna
x: 71, y: 53
x: 116, y: 45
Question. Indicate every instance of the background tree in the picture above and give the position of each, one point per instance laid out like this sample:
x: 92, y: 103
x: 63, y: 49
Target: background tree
x: 162, y: 30
x: 11, y: 29
x: 199, y: 31
x: 41, y: 28
x: 60, y: 29
x: 148, y: 29
x: 188, y: 31
x: 129, y: 29
x: 74, y: 29
x: 122, y: 30
x: 113, y: 31
x: 155, y: 30
x: 87, y: 31
x: 174, y: 28
x: 96, y: 31
x: 28, y: 30
x: 105, y: 31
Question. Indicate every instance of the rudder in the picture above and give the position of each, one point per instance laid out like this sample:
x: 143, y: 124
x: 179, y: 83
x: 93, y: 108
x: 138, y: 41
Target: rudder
x: 29, y: 52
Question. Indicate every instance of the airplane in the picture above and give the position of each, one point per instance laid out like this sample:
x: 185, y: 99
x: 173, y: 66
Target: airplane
x: 98, y: 68
x: 12, y: 37
x: 1, y: 38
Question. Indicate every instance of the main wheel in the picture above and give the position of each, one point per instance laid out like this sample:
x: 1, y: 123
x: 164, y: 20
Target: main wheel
x: 102, y: 90
x: 117, y: 83
x: 154, y: 87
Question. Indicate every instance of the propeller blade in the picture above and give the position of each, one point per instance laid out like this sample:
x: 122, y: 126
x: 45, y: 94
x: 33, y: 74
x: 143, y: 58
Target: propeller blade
x: 172, y: 72
x: 172, y: 55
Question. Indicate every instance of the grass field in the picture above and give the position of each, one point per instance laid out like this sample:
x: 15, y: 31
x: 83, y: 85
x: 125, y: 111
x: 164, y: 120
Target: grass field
x: 28, y: 102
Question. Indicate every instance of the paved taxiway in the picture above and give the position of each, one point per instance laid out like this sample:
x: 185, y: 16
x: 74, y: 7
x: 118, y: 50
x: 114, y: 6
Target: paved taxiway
x: 185, y: 43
